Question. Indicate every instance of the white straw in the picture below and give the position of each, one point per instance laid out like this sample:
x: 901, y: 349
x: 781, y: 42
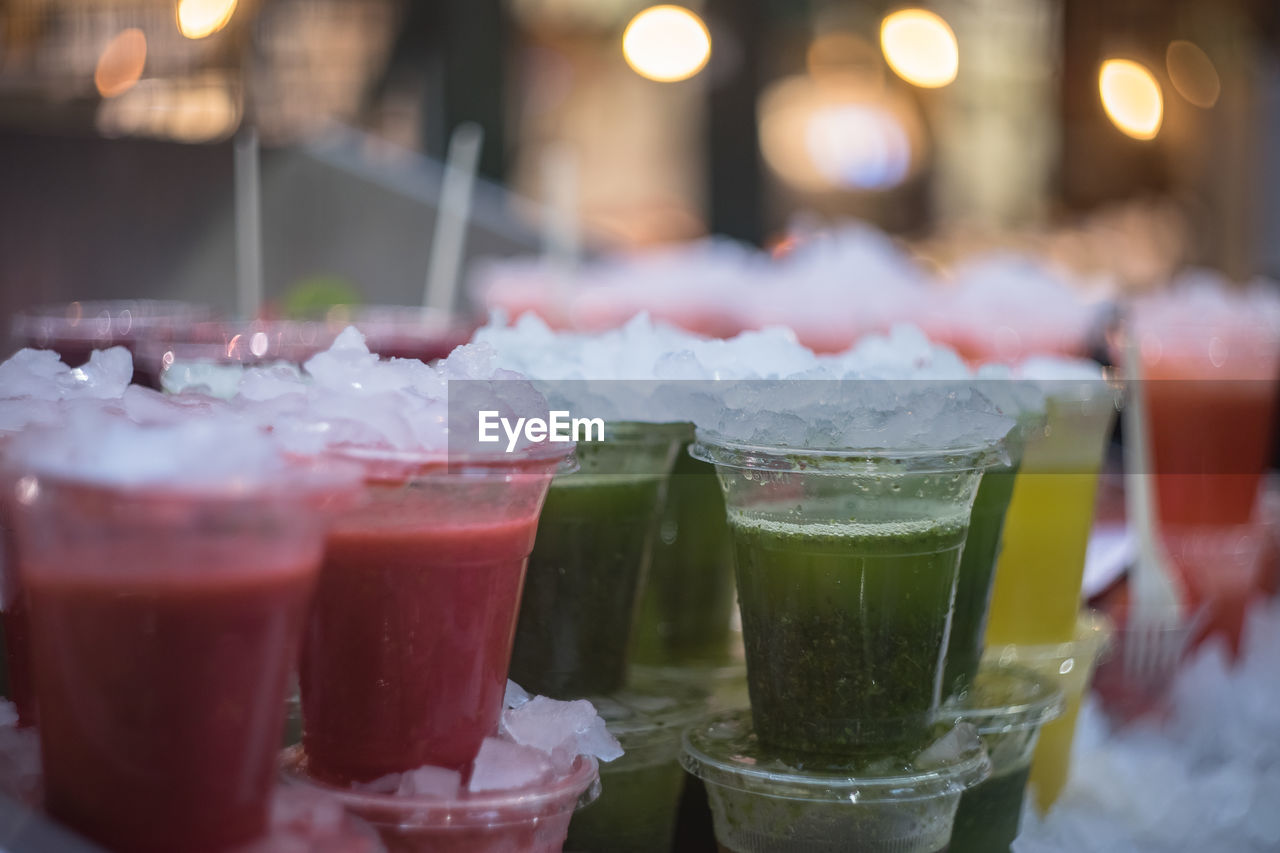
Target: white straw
x: 248, y: 189
x: 452, y: 214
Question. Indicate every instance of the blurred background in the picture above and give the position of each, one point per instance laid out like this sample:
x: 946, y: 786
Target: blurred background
x: 1134, y: 136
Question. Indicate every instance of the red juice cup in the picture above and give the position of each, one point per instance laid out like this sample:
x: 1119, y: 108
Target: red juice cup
x: 404, y: 331
x: 531, y: 819
x: 1210, y: 387
x: 406, y: 653
x: 164, y: 621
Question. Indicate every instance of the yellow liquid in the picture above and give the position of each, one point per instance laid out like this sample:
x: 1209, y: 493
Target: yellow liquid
x: 1037, y: 588
x: 1051, y: 764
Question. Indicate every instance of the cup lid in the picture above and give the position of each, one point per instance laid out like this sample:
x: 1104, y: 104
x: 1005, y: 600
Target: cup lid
x: 649, y: 715
x: 1005, y: 698
x: 571, y: 790
x: 726, y: 752
x: 1070, y: 663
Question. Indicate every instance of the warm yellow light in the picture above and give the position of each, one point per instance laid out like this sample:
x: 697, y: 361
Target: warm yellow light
x: 1192, y: 73
x: 920, y: 48
x: 121, y: 63
x: 200, y: 18
x: 1132, y: 98
x: 666, y: 43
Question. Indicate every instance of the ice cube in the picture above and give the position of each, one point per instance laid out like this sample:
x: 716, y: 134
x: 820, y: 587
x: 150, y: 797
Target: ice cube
x: 550, y: 724
x: 501, y: 765
x: 515, y: 695
x: 427, y: 781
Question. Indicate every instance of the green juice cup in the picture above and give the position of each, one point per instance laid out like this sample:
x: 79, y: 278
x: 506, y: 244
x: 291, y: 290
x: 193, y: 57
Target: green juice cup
x: 763, y: 801
x: 686, y: 606
x: 978, y: 562
x: 1007, y: 705
x: 594, y: 544
x: 640, y: 796
x: 846, y: 568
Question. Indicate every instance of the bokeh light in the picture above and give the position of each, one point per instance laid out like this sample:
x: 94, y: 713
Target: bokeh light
x: 1192, y: 73
x: 666, y: 44
x: 121, y: 62
x: 200, y: 18
x: 1131, y: 97
x: 920, y: 48
x: 858, y: 146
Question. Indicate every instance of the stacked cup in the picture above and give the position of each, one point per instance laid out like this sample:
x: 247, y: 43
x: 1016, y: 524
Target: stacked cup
x: 848, y: 503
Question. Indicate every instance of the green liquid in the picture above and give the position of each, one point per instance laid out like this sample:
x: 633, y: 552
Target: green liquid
x: 845, y: 626
x: 988, y: 816
x: 593, y: 545
x: 687, y: 602
x: 977, y: 574
x: 636, y: 811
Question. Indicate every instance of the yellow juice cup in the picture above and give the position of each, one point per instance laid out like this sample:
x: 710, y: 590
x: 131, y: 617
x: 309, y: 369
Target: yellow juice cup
x: 1037, y: 587
x: 1070, y: 665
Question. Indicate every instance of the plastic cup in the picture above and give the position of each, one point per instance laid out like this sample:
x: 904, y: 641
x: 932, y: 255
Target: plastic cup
x: 1210, y: 391
x: 1036, y: 594
x: 16, y: 625
x: 76, y: 329
x: 532, y: 819
x: 1007, y: 705
x: 764, y: 801
x: 595, y: 541
x: 404, y: 331
x: 640, y: 797
x: 252, y: 343
x: 164, y: 624
x: 844, y: 621
x: 406, y: 652
x: 977, y: 575
x: 1070, y: 666
x: 686, y: 610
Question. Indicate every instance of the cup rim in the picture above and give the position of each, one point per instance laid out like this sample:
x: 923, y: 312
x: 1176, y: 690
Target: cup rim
x: 725, y: 452
x: 1038, y: 700
x: 1091, y: 641
x: 724, y: 751
x: 571, y: 791
x: 389, y: 465
x: 33, y: 319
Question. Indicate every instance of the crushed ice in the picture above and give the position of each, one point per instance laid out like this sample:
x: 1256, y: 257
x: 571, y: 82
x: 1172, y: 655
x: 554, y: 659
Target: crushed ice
x: 1206, y: 778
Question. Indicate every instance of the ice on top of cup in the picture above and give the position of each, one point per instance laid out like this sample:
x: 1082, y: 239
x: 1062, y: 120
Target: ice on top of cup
x: 39, y: 374
x: 538, y: 739
x: 346, y: 397
x: 1005, y: 306
x: 623, y: 374
x: 200, y: 452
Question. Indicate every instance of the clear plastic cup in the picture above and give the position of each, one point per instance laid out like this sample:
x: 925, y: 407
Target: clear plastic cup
x: 1070, y: 666
x: 977, y: 576
x: 404, y: 331
x: 532, y: 819
x: 640, y: 797
x: 75, y: 329
x: 594, y: 546
x: 846, y: 568
x: 1007, y: 705
x: 252, y: 343
x: 165, y: 621
x: 407, y: 649
x: 1036, y: 594
x: 686, y: 611
x: 765, y: 801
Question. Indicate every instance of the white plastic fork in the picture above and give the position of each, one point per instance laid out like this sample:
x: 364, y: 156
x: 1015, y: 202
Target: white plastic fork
x: 1155, y: 635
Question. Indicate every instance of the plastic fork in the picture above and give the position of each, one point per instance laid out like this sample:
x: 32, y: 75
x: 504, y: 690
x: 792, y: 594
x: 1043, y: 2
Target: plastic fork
x: 1155, y: 636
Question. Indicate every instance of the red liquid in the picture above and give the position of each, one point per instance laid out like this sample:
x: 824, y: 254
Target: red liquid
x: 1210, y: 442
x: 406, y: 654
x: 17, y: 643
x: 162, y: 685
